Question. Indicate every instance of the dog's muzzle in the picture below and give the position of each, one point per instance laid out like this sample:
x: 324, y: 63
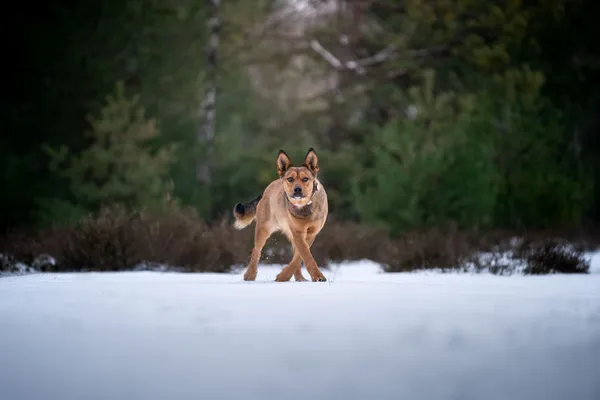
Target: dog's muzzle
x: 297, y: 193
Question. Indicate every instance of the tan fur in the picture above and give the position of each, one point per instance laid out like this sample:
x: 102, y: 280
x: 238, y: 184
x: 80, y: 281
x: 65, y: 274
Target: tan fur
x: 300, y: 219
x: 240, y: 224
x: 243, y: 220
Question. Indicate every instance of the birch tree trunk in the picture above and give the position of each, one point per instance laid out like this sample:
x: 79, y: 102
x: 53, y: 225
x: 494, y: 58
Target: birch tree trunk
x: 206, y: 131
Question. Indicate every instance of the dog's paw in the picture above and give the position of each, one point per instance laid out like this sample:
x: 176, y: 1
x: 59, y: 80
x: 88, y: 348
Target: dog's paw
x: 249, y: 276
x: 319, y: 279
x: 282, y: 278
x: 300, y: 279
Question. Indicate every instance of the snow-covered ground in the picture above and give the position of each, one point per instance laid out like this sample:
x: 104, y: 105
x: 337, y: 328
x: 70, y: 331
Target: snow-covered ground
x: 362, y: 335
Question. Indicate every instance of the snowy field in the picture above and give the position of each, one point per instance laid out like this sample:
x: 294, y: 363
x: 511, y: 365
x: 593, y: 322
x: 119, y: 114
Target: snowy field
x: 362, y: 335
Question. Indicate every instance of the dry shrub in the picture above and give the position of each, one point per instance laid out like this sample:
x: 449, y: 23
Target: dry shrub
x: 6, y: 262
x: 550, y: 256
x: 449, y: 249
x: 349, y: 241
x: 116, y: 239
x: 429, y: 248
x: 582, y: 240
x: 444, y: 248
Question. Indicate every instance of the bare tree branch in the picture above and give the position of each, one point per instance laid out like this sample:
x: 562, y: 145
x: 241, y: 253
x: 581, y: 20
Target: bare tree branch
x: 359, y: 66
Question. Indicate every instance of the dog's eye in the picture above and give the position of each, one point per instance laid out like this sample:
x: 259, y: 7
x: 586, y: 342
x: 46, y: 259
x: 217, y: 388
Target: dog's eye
x: 290, y: 179
x: 305, y: 179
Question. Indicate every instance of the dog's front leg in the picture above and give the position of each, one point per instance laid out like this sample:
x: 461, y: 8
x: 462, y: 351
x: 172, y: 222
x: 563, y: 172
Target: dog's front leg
x: 295, y: 266
x: 298, y: 272
x: 303, y: 247
x: 260, y: 238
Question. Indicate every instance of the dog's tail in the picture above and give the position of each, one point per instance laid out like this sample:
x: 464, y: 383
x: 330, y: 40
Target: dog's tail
x: 244, y: 214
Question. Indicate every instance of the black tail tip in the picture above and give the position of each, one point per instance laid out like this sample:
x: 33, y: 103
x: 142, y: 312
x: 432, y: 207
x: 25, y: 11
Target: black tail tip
x: 239, y: 208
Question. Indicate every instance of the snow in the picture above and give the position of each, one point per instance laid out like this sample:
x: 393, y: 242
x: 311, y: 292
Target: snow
x: 594, y: 258
x: 361, y: 335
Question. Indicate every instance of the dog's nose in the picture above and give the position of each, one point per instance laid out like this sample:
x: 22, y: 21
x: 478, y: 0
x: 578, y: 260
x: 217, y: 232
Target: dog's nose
x: 297, y: 189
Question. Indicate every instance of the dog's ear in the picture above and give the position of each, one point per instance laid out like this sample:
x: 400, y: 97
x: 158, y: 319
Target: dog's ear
x: 283, y: 163
x: 311, y: 161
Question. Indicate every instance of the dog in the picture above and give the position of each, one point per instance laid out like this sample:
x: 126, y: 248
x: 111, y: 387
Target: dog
x: 296, y: 205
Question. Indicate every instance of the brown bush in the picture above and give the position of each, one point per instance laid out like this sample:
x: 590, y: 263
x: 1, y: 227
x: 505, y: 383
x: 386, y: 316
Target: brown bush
x: 350, y: 241
x: 116, y: 239
x: 444, y: 248
x: 6, y: 262
x: 550, y: 255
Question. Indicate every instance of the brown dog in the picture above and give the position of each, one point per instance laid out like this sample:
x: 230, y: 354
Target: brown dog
x: 295, y: 204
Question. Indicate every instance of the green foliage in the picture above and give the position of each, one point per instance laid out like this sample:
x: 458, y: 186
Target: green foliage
x: 497, y: 158
x: 504, y: 135
x: 243, y: 153
x: 56, y: 211
x: 119, y: 166
x: 544, y: 183
x: 338, y: 171
x: 431, y: 170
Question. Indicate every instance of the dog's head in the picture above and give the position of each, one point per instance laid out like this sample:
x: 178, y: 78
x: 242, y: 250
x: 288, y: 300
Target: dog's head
x: 299, y: 183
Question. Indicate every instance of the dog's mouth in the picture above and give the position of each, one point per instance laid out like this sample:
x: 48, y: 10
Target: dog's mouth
x: 297, y: 196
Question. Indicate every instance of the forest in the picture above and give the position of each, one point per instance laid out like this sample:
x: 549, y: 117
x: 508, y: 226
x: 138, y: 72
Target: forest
x: 441, y: 126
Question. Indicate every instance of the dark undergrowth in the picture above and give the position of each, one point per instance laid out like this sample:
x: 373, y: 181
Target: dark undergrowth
x: 114, y: 239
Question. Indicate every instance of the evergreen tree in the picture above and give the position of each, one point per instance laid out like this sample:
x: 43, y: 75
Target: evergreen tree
x: 120, y: 165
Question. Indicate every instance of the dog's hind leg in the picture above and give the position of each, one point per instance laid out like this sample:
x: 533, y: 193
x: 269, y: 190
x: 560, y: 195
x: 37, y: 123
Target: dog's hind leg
x: 294, y: 267
x: 260, y: 238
